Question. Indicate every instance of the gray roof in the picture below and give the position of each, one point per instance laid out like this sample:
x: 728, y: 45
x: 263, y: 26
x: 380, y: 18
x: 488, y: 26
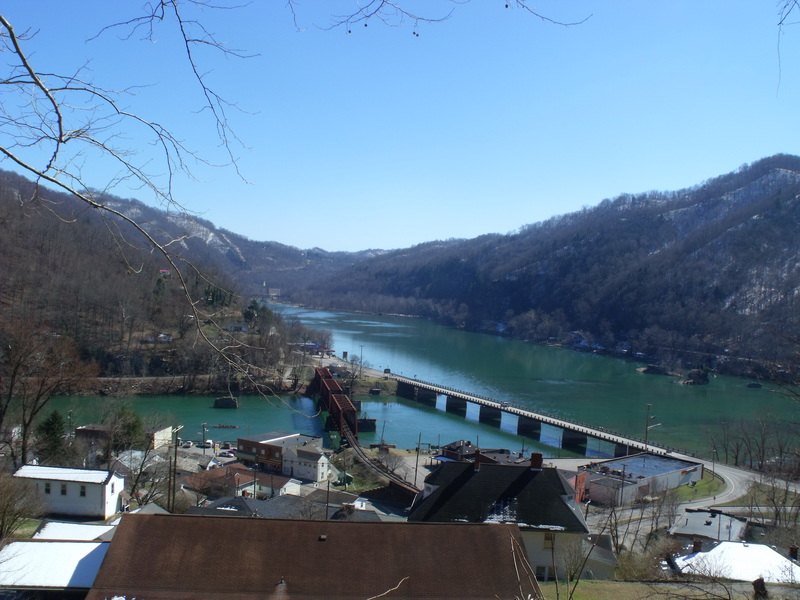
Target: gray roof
x: 283, y: 438
x: 709, y: 524
x: 63, y: 474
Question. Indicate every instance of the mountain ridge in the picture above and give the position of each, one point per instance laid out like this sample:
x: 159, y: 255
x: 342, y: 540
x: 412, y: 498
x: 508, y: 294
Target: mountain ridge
x: 706, y: 276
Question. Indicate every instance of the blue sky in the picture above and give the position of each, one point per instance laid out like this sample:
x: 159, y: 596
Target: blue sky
x: 486, y: 122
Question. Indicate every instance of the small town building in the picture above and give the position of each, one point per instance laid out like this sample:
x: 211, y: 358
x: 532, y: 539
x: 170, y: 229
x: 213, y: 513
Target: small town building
x: 238, y: 480
x: 708, y: 526
x: 48, y: 568
x: 625, y: 480
x: 539, y: 500
x: 291, y: 454
x: 98, y: 434
x: 740, y: 561
x: 77, y: 492
x: 305, y: 559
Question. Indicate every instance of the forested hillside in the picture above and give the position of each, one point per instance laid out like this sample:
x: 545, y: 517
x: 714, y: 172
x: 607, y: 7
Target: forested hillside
x: 703, y: 277
x: 707, y: 276
x: 85, y: 289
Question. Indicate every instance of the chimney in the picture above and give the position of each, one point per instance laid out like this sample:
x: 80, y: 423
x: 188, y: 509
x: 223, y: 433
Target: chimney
x: 697, y: 545
x: 477, y: 462
x: 536, y: 460
x: 793, y: 552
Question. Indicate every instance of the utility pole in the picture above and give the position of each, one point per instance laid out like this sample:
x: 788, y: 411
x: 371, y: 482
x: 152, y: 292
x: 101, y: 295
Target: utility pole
x: 173, y: 469
x: 416, y: 466
x: 204, y: 438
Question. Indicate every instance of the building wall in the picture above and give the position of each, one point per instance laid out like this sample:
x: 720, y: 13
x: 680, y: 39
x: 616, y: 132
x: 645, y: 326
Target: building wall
x: 567, y: 550
x: 81, y: 499
x: 304, y: 468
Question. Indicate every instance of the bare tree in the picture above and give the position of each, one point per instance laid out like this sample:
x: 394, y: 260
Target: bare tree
x: 35, y: 366
x: 18, y: 502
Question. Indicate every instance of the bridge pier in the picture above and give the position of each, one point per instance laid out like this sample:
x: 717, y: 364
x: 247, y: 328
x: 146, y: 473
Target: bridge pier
x: 574, y: 441
x: 624, y: 450
x: 528, y: 427
x: 413, y: 392
x: 405, y: 390
x: 425, y: 396
x: 456, y: 405
x: 490, y: 414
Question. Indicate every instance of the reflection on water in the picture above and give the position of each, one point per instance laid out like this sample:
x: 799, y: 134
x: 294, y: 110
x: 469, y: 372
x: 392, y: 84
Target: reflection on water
x: 597, y: 390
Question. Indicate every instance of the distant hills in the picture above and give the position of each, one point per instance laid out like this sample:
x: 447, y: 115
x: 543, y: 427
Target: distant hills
x: 703, y: 277
x: 707, y: 276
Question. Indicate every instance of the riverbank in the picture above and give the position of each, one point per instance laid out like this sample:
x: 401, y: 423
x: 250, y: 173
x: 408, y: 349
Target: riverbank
x: 184, y: 385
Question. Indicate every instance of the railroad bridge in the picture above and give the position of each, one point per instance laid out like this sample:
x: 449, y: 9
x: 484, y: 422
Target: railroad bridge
x: 547, y: 429
x: 344, y: 417
x: 343, y: 413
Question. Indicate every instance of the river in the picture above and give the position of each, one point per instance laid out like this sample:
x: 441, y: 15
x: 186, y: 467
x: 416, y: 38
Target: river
x: 598, y: 390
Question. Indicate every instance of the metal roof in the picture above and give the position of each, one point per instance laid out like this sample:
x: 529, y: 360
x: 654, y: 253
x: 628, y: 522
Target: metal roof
x: 63, y: 474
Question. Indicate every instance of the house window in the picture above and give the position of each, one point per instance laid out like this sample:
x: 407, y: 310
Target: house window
x: 549, y: 539
x: 47, y: 487
x: 63, y: 489
x: 83, y: 491
x: 112, y: 487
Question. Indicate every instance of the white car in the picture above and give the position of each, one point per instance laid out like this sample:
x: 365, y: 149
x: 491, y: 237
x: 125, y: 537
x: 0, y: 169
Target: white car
x: 187, y: 444
x: 227, y: 454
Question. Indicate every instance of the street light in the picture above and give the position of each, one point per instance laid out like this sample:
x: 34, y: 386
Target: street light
x: 648, y: 427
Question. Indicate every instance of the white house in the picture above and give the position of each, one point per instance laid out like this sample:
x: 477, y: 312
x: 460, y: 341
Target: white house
x: 77, y: 492
x: 308, y: 463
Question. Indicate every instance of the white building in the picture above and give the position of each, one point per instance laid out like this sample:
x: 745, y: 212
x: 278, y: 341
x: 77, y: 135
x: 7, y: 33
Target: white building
x: 623, y: 481
x: 48, y: 567
x: 741, y: 561
x: 308, y: 463
x: 76, y: 492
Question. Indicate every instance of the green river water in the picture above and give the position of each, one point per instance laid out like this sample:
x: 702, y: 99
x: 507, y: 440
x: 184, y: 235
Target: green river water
x: 597, y: 390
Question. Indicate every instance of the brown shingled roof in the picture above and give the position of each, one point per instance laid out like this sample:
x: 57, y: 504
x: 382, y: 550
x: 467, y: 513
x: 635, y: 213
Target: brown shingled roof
x: 177, y: 557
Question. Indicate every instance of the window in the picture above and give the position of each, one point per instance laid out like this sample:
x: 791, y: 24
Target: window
x: 47, y: 487
x: 549, y: 539
x: 63, y: 489
x: 112, y: 487
x: 83, y: 491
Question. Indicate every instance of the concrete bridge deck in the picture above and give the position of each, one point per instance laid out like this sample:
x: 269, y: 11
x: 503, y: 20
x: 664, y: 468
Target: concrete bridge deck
x: 574, y: 436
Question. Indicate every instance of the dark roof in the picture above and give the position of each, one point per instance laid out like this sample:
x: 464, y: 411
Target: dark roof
x: 231, y: 506
x: 308, y: 560
x: 333, y: 497
x: 532, y: 498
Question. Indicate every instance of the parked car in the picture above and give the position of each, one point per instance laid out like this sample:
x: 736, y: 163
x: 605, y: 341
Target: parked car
x: 187, y: 444
x: 227, y: 454
x: 208, y: 444
x: 226, y: 446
